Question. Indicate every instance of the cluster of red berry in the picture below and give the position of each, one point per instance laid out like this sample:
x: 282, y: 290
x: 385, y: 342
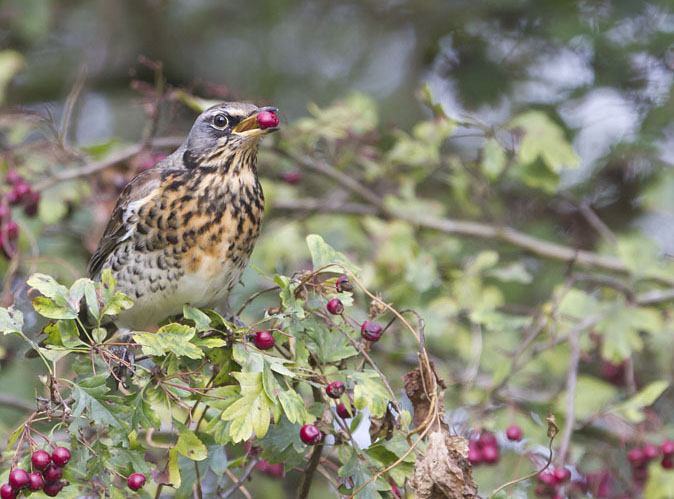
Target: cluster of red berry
x: 551, y: 481
x: 483, y: 450
x: 21, y: 193
x: 640, y: 457
x: 371, y: 331
x: 47, y: 478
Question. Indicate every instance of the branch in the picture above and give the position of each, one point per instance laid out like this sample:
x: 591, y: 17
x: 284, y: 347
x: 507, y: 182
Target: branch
x: 123, y: 155
x: 16, y: 403
x: 308, y: 475
x: 571, y: 379
x: 239, y: 482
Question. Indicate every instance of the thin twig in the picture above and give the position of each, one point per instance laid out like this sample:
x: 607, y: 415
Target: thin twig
x: 238, y: 484
x: 96, y: 166
x: 69, y: 106
x: 571, y: 379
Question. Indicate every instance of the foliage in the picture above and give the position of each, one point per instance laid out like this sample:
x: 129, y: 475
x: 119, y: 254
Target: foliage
x: 523, y: 236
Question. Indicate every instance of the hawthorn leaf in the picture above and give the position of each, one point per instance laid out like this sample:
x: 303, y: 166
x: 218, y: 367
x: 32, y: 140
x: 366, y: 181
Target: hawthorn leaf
x: 201, y: 321
x: 171, y: 338
x: 322, y: 255
x: 90, y: 394
x: 189, y: 445
x: 370, y: 392
x: 294, y: 407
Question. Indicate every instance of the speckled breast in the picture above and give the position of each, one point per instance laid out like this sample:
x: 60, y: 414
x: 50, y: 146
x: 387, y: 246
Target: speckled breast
x: 190, y: 245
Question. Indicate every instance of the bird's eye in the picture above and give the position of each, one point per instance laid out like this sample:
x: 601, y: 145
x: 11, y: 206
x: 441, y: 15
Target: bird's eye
x: 220, y: 120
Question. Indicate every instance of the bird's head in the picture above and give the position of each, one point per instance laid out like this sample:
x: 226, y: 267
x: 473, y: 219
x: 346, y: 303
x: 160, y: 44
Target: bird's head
x: 229, y: 128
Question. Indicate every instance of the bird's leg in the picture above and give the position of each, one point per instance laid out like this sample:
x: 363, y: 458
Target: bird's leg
x: 231, y: 316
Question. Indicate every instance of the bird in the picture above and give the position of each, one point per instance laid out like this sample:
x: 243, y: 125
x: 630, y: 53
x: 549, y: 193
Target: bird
x: 182, y: 231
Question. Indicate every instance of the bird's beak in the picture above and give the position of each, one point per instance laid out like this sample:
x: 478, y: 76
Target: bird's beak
x: 249, y: 127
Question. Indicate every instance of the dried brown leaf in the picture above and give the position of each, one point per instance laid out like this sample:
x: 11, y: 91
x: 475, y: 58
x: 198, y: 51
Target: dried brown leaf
x: 444, y: 472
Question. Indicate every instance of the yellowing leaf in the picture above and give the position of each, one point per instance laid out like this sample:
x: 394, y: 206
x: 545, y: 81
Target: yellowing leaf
x: 631, y: 409
x: 189, y: 445
x: 251, y: 413
x: 544, y: 139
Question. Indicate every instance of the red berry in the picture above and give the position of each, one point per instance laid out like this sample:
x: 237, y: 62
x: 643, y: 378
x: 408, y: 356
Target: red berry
x: 19, y: 192
x: 487, y: 439
x: 32, y: 202
x: 667, y: 462
x: 264, y: 340
x: 490, y: 453
x: 310, y: 434
x: 474, y: 453
x: 12, y: 230
x: 273, y: 470
x: 635, y: 456
x: 561, y: 475
x: 335, y: 389
x: 60, y: 456
x: 13, y: 177
x: 267, y: 119
x: 7, y: 491
x: 650, y: 452
x: 136, y: 481
x: 514, y: 433
x: 292, y: 178
x: 52, y: 473
x: 335, y: 307
x: 18, y: 478
x: 371, y: 331
x: 35, y: 481
x: 40, y: 459
x: 52, y: 489
x: 343, y: 284
x: 547, y: 478
x: 667, y: 447
x: 343, y: 412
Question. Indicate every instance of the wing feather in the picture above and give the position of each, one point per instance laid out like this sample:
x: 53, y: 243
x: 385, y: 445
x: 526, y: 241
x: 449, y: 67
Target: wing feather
x: 142, y: 188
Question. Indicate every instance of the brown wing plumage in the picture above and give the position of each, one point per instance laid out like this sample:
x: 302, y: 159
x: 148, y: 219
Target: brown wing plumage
x: 143, y: 185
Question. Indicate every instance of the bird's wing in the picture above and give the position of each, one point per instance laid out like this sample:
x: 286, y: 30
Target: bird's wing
x: 142, y: 188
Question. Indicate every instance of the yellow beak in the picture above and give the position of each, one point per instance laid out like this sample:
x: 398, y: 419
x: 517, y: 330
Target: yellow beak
x: 249, y: 127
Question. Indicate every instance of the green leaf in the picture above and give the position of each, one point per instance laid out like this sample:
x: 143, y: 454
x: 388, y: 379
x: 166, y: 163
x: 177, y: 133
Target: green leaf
x: 172, y: 338
x: 201, y: 321
x: 493, y: 159
x: 631, y: 409
x: 174, y: 469
x: 294, y: 407
x: 48, y: 286
x: 322, y: 254
x: 142, y: 415
x: 14, y: 437
x: 620, y: 326
x: 544, y: 139
x: 11, y: 320
x: 370, y: 392
x: 189, y: 444
x: 57, y: 302
x: 47, y: 307
x: 514, y: 272
x: 90, y: 394
x: 252, y: 411
x: 11, y: 62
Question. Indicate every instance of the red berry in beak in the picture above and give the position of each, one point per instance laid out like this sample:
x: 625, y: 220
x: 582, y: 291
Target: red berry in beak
x: 267, y: 119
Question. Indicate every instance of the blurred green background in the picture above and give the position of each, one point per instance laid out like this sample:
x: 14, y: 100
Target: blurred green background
x: 601, y: 70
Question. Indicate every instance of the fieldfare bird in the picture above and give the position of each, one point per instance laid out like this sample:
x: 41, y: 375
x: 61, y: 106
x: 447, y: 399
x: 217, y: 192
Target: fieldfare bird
x: 182, y: 231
